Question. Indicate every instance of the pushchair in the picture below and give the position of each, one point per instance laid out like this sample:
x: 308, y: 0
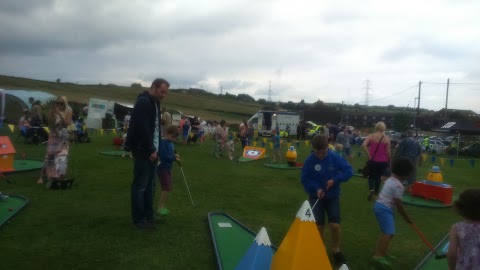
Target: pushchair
x: 36, y: 133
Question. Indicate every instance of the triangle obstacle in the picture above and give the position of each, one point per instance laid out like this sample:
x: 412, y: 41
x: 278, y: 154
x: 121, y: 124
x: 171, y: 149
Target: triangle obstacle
x: 254, y: 153
x: 259, y: 255
x: 302, y: 247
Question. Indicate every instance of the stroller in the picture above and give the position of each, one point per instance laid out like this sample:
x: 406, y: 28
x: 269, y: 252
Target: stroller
x: 36, y: 133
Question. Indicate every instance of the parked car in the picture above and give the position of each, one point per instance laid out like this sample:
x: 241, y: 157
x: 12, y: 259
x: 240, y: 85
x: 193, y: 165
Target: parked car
x: 471, y: 150
x: 315, y: 130
x: 437, y: 146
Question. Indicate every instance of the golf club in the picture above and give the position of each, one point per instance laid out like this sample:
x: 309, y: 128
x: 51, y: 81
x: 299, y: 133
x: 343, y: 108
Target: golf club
x: 6, y: 179
x: 185, y: 179
x: 315, y: 204
x: 437, y: 256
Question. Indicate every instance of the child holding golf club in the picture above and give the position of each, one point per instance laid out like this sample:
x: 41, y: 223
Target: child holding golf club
x: 464, y: 247
x: 389, y: 198
x: 167, y: 156
x: 322, y: 173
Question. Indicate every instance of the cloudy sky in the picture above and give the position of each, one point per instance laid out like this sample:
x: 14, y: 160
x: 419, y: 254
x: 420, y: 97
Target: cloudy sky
x: 308, y: 50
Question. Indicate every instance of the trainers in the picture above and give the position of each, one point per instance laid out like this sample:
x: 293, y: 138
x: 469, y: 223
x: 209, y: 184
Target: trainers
x: 163, y: 212
x: 339, y: 258
x: 381, y: 261
x: 3, y: 196
x: 370, y: 196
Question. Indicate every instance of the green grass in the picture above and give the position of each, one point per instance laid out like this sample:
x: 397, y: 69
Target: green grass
x: 89, y: 227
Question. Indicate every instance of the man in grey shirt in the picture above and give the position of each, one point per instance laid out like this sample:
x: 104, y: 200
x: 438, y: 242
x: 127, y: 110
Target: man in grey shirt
x: 344, y: 139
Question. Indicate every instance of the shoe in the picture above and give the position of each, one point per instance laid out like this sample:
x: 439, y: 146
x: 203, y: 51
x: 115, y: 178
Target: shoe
x: 381, y: 261
x: 339, y: 258
x: 163, y: 212
x: 370, y: 196
x: 144, y: 225
x: 3, y: 196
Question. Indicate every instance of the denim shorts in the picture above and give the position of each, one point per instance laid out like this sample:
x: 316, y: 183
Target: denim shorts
x: 384, y: 216
x: 331, y: 206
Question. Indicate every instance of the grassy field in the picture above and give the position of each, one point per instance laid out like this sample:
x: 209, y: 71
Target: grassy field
x: 209, y: 107
x: 89, y: 227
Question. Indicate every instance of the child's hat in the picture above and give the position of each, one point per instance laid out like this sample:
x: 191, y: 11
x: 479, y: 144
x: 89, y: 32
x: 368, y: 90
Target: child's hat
x: 435, y: 169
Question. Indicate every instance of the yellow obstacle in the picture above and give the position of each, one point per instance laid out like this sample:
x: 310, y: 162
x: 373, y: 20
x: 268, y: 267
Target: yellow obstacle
x: 435, y: 175
x: 302, y: 247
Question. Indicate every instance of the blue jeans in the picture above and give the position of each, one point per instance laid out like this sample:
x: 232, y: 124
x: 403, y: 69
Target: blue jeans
x: 143, y: 187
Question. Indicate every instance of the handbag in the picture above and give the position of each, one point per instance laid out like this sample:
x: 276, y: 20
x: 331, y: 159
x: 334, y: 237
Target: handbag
x: 367, y: 169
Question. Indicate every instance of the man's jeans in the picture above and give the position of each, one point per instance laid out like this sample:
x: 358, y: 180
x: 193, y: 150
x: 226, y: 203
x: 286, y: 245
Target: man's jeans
x: 143, y: 188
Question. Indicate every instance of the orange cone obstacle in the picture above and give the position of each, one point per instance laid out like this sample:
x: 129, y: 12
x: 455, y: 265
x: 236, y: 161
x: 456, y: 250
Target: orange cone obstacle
x: 302, y: 247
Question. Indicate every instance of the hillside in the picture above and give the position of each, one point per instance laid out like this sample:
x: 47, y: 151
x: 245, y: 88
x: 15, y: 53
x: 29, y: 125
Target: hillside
x: 210, y: 107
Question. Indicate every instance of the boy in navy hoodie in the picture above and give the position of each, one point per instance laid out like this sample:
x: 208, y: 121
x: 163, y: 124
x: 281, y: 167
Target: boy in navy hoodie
x: 322, y: 174
x: 167, y: 156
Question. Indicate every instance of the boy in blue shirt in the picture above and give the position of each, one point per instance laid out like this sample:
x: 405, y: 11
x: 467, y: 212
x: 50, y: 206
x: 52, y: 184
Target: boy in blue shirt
x: 322, y: 174
x: 167, y: 156
x: 276, y: 142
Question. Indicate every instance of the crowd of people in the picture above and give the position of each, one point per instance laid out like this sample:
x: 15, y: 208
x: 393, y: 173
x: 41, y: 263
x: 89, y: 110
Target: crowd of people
x: 150, y: 136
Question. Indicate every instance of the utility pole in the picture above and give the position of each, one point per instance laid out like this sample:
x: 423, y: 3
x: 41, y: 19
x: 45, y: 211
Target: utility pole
x: 341, y: 114
x: 367, y: 91
x: 419, y: 94
x: 446, y: 102
x: 221, y: 89
x: 269, y: 90
x: 414, y: 115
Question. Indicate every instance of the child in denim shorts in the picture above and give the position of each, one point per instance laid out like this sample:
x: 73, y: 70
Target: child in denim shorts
x: 322, y: 174
x: 167, y: 156
x: 389, y: 198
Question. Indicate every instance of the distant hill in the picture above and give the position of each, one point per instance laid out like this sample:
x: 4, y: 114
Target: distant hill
x: 206, y: 105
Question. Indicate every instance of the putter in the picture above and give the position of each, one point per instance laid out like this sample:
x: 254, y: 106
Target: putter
x: 6, y: 178
x: 185, y: 179
x: 437, y: 256
x: 315, y: 204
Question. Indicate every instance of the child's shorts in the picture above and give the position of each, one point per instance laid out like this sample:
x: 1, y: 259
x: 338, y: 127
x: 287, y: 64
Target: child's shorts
x: 384, y: 216
x: 331, y: 206
x: 165, y: 177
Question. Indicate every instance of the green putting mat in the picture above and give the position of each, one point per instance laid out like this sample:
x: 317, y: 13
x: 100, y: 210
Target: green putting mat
x: 419, y: 201
x: 430, y: 263
x: 27, y: 165
x: 10, y: 206
x: 231, y: 240
x: 113, y: 153
x: 284, y: 166
x: 244, y: 159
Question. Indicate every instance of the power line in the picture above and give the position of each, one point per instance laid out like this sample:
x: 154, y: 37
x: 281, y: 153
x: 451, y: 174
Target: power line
x: 450, y: 83
x: 411, y: 87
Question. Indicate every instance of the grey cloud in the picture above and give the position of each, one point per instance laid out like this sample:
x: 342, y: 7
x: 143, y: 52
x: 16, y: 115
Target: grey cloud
x: 235, y: 85
x: 427, y: 46
x: 23, y: 6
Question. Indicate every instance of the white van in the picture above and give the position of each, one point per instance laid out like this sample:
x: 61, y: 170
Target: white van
x: 266, y: 121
